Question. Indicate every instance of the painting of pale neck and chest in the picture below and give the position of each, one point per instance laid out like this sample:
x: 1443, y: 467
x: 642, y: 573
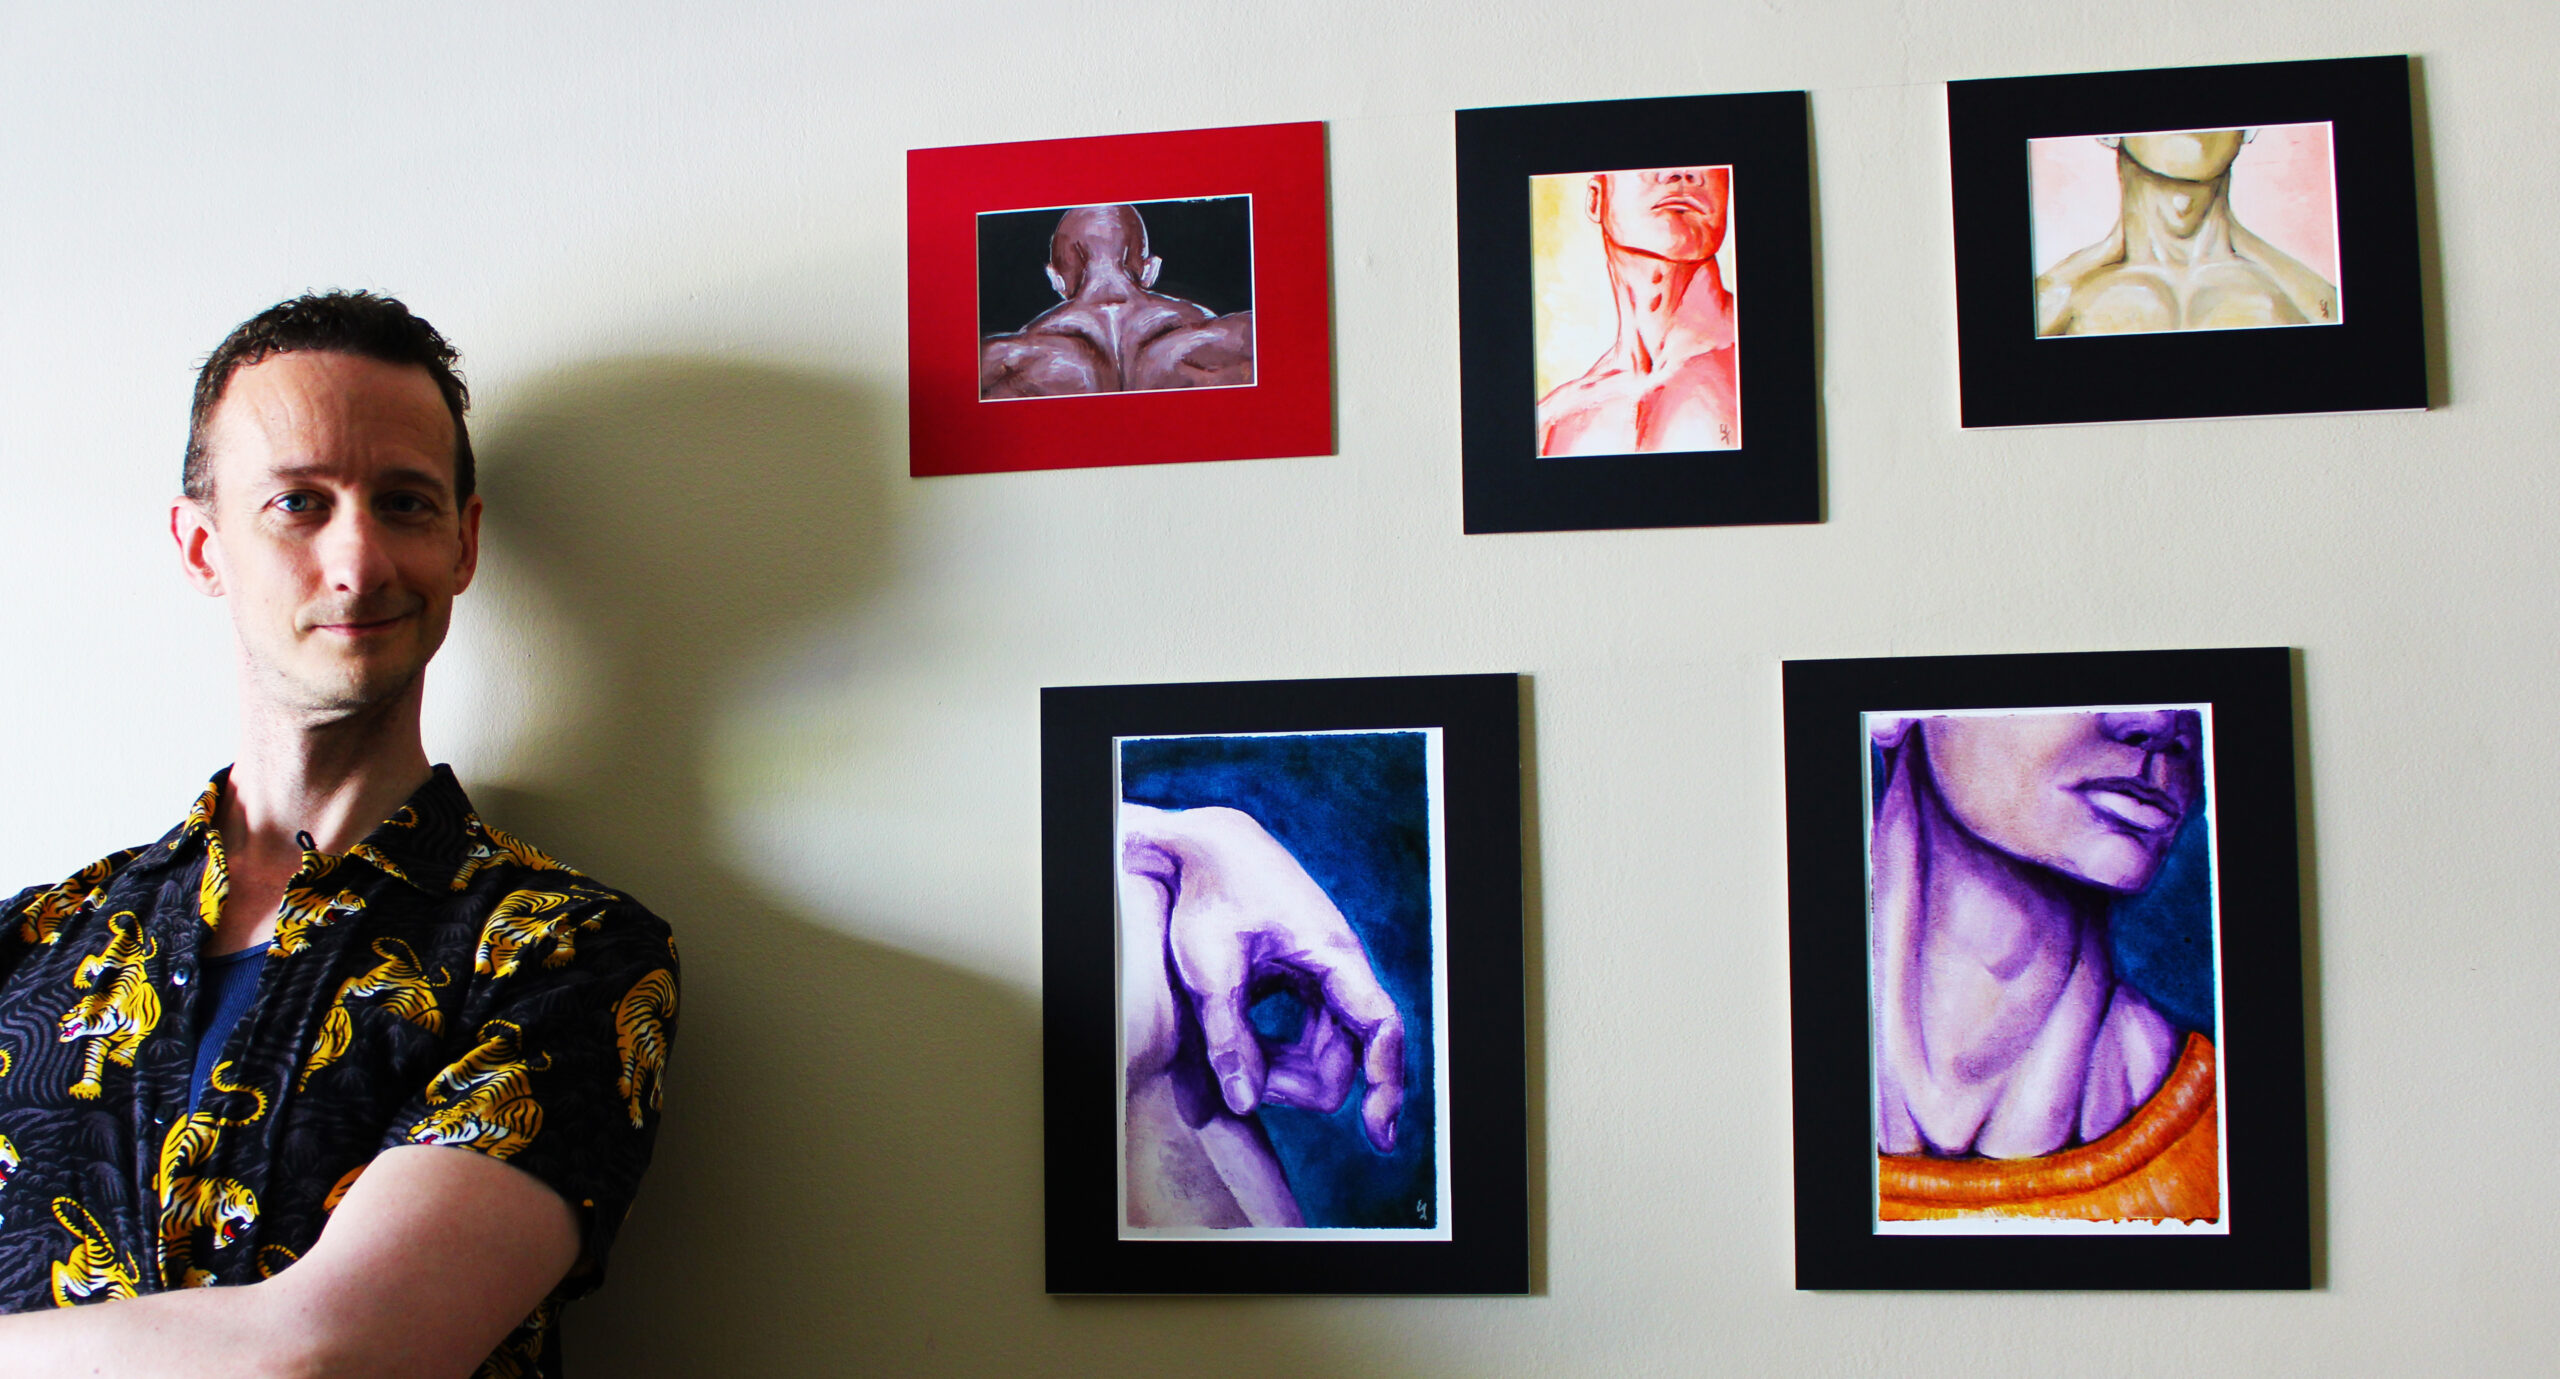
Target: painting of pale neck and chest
x: 2176, y: 256
x: 2001, y: 845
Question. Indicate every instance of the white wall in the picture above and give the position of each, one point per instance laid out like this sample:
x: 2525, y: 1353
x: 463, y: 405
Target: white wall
x: 727, y: 655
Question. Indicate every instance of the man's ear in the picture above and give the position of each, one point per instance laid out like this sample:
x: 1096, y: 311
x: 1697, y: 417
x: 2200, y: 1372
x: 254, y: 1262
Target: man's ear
x: 470, y: 562
x: 199, y: 546
x: 1057, y: 281
x: 1594, y: 196
x: 1147, y: 273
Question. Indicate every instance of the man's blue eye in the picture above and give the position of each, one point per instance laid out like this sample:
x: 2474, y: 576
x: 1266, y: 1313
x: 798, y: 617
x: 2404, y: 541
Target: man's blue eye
x: 295, y: 502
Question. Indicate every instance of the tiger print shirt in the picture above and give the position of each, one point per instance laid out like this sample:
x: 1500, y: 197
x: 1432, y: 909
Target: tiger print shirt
x: 438, y: 983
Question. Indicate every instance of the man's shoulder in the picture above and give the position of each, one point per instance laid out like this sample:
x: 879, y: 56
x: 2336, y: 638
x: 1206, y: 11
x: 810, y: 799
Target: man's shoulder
x: 1196, y: 349
x: 1049, y: 356
x: 1606, y: 387
x: 37, y: 912
x: 511, y: 887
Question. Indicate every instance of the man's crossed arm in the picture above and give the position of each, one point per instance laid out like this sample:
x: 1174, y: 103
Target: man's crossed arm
x: 434, y: 1256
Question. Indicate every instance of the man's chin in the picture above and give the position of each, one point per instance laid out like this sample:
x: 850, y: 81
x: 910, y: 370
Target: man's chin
x: 341, y: 692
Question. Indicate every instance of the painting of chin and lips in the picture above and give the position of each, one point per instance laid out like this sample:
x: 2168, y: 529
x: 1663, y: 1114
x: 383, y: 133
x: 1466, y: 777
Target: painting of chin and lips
x: 2044, y: 955
x: 1636, y: 323
x: 1283, y: 982
x: 2187, y: 242
x: 2047, y: 971
x: 1128, y: 299
x: 1635, y: 294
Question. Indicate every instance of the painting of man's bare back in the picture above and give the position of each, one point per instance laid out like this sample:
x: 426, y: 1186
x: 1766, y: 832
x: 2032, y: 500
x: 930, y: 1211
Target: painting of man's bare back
x: 1077, y: 300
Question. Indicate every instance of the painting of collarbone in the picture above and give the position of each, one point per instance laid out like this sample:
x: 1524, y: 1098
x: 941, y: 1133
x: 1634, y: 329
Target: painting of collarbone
x: 2042, y: 950
x: 2172, y: 252
x: 1281, y: 954
x: 1116, y: 298
x: 1636, y: 333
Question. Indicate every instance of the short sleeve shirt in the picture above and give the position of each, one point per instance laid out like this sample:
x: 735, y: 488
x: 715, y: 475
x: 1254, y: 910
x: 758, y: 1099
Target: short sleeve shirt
x: 439, y: 983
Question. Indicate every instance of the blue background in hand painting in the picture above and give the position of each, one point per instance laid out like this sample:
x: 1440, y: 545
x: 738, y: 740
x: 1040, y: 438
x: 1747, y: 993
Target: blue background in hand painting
x: 1355, y: 810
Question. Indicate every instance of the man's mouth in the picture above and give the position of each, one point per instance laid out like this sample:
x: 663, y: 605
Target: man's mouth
x: 1681, y: 203
x: 358, y: 629
x: 2136, y: 804
x: 362, y: 622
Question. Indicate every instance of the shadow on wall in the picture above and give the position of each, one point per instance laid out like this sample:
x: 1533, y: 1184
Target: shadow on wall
x: 848, y: 1176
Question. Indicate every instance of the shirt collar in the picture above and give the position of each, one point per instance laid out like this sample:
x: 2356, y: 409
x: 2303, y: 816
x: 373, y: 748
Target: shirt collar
x: 425, y: 842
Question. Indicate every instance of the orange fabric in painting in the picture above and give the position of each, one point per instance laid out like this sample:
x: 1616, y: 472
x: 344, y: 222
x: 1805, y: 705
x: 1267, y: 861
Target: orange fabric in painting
x: 2164, y: 1164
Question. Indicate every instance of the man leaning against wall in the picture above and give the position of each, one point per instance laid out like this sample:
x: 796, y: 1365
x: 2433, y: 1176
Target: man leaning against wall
x: 334, y: 1077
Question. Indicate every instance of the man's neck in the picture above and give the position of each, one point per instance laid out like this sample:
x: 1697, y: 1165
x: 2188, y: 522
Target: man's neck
x: 332, y: 777
x: 1991, y: 974
x: 2173, y: 223
x: 1667, y: 309
x: 1119, y: 316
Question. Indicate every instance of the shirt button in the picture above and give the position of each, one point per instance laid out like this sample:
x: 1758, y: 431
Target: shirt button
x: 178, y: 977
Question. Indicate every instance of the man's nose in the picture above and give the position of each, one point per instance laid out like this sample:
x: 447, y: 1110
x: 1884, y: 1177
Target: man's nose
x: 355, y: 554
x: 2150, y: 729
x: 2163, y: 736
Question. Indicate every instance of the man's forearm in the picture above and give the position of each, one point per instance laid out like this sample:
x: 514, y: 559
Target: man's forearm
x: 434, y: 1255
x: 258, y: 1330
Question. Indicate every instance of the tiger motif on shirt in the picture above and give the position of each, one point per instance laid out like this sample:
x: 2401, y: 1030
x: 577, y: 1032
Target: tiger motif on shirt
x: 518, y: 1356
x: 9, y: 1161
x: 381, y: 861
x: 491, y: 845
x: 530, y: 918
x: 40, y: 919
x: 191, y: 1201
x: 214, y: 887
x: 338, y: 1189
x: 306, y: 907
x: 399, y: 978
x: 640, y: 1021
x: 94, y: 1269
x: 485, y: 1101
x: 116, y: 1018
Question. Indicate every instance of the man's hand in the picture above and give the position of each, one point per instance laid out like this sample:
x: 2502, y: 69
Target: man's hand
x: 1245, y: 920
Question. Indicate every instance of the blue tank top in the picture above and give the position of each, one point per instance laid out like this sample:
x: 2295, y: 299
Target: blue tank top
x: 230, y: 985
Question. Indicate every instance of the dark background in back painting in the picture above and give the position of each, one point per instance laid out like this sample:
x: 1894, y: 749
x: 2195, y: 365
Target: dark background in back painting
x: 1355, y: 810
x: 1206, y: 245
x: 2161, y: 941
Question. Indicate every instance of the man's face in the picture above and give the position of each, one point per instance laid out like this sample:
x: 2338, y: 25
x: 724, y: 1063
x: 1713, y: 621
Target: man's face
x: 2096, y: 796
x: 1670, y: 213
x: 333, y: 528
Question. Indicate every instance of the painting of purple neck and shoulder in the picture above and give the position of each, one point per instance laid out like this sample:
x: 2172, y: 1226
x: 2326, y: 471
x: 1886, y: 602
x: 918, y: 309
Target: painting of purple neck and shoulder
x: 2043, y: 970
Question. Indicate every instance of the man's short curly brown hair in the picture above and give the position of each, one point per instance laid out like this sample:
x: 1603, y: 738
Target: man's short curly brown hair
x: 364, y: 324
